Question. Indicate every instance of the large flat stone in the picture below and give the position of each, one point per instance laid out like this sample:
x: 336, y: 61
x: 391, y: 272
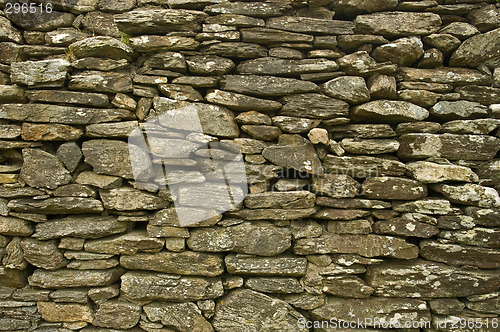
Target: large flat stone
x: 292, y: 266
x: 42, y: 169
x: 15, y: 226
x: 267, y: 86
x: 363, y: 166
x: 239, y: 102
x: 392, y: 111
x: 428, y: 172
x: 273, y: 214
x: 398, y: 24
x: 393, y: 188
x: 101, y: 47
x: 50, y: 132
x: 106, y: 82
x: 117, y: 314
x: 335, y: 185
x: 281, y: 200
x: 482, y: 48
x: 311, y: 25
x: 125, y: 244
x: 313, y: 105
x: 255, y: 9
x: 285, y: 67
x: 64, y: 278
x: 445, y: 75
x: 45, y: 73
x: 126, y: 199
x: 57, y: 205
x: 469, y: 194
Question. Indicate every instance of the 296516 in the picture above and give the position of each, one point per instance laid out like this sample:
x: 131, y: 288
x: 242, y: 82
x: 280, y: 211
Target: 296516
x: 25, y: 8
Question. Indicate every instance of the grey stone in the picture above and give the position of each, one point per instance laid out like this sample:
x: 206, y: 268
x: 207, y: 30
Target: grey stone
x: 280, y: 200
x: 311, y: 25
x: 446, y: 306
x: 183, y: 317
x: 444, y: 42
x: 80, y: 226
x: 293, y: 125
x: 461, y: 30
x: 41, y: 169
x: 335, y: 185
x: 262, y: 132
x: 404, y: 227
x: 292, y: 266
x: 362, y: 131
x: 428, y: 172
x: 369, y: 146
x: 209, y: 65
x: 65, y: 312
x: 125, y: 244
x: 354, y: 203
x: 393, y: 188
x: 313, y: 105
x: 163, y: 43
x: 12, y: 94
x: 482, y: 216
x: 235, y: 50
x: 141, y: 286
x: 398, y: 24
x: 239, y: 102
x: 43, y: 254
x: 106, y: 82
x: 111, y: 130
x: 403, y: 51
x: 363, y: 166
x: 478, y: 236
x: 349, y: 88
x: 8, y: 32
x: 485, y: 18
x: 453, y: 110
x: 483, y: 94
x: 44, y: 73
x: 117, y: 314
x: 101, y: 47
x: 273, y: 36
x: 50, y: 132
x: 389, y: 111
x: 246, y: 309
x: 350, y: 286
x: 274, y: 285
x: 166, y: 60
x: 362, y: 64
x: 265, y: 85
x: 340, y: 214
x: 70, y: 155
x: 57, y: 205
x: 446, y: 75
x: 273, y: 214
x: 469, y: 194
x: 257, y: 239
x: 285, y: 67
x: 159, y: 21
x: 127, y: 199
x: 64, y: 278
x: 428, y: 279
x: 352, y: 42
x: 428, y: 205
x: 235, y: 20
x: 418, y: 127
x: 183, y: 263
x: 68, y: 97
x: 255, y: 9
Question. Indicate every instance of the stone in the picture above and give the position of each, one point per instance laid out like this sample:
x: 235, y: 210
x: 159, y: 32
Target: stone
x: 159, y: 21
x: 12, y: 94
x: 111, y: 130
x: 398, y: 24
x: 446, y: 306
x: 50, y: 132
x: 253, y: 118
x: 43, y: 254
x: 479, y: 236
x: 68, y: 97
x: 235, y: 50
x: 44, y: 73
x: 362, y: 64
x: 105, y: 82
x: 429, y: 172
x: 403, y: 51
x: 280, y: 200
x: 65, y: 312
x: 273, y: 214
x: 462, y: 109
x: 145, y: 286
x: 125, y: 244
x: 13, y: 278
x: 485, y: 18
x: 42, y: 169
x: 360, y: 226
x: 354, y: 203
x: 460, y: 255
x: 428, y: 205
x: 294, y: 151
x: 482, y: 216
x: 13, y: 258
x: 57, y: 205
x: 461, y: 30
x: 163, y: 43
x: 382, y: 86
x: 285, y: 67
x: 266, y: 266
x: 117, y: 314
x: 167, y: 60
x: 432, y: 58
x: 469, y: 194
x: 349, y: 88
x: 239, y: 102
x: 70, y: 155
x: 366, y: 245
x: 352, y: 42
x: 61, y: 114
x: 445, y: 75
x: 80, y: 226
x: 261, y: 132
x: 404, y: 227
x: 183, y: 317
x: 444, y: 42
x: 127, y: 199
x: 363, y: 166
x: 369, y: 146
x: 336, y: 214
x: 362, y: 131
x: 235, y: 20
x: 428, y: 279
x: 483, y: 94
x: 254, y: 9
x: 450, y: 146
x: 265, y: 85
x: 351, y: 286
x: 209, y: 65
x: 389, y: 111
x: 101, y: 47
x: 393, y: 188
x: 257, y: 239
x: 318, y: 135
x: 8, y: 32
x: 64, y: 278
x: 313, y: 105
x: 274, y: 285
x: 335, y: 185
x: 311, y: 25
x: 418, y: 127
x: 373, y: 310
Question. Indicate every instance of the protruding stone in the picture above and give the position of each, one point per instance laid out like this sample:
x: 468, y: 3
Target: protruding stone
x: 126, y: 199
x: 369, y: 146
x: 101, y: 47
x: 43, y: 254
x: 126, y: 244
x: 41, y: 169
x: 285, y: 67
x: 428, y: 172
x: 311, y: 25
x: 349, y: 88
x: 462, y: 109
x: 390, y: 111
x: 255, y: 9
x: 469, y: 194
x: 445, y: 75
x: 403, y: 51
x: 209, y: 65
x: 313, y: 105
x: 49, y: 132
x: 65, y: 312
x: 404, y: 227
x: 239, y: 102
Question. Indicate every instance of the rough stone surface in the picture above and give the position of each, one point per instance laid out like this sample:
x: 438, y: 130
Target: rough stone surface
x: 390, y: 111
x: 36, y: 160
x: 397, y: 24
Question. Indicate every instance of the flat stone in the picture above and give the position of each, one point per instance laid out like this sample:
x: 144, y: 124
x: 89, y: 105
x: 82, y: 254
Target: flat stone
x: 127, y: 199
x: 352, y: 42
x: 285, y: 67
x: 173, y: 61
x: 280, y: 200
x: 460, y: 255
x: 483, y: 94
x: 362, y: 131
x: 362, y: 64
x: 235, y: 20
x: 363, y: 166
x: 255, y: 9
x: 65, y: 312
x: 143, y: 286
x: 428, y: 172
x: 366, y: 245
x: 70, y: 155
x: 273, y: 214
x: 101, y: 47
x: 163, y: 43
x: 236, y: 50
x: 44, y: 73
x: 335, y: 185
x: 294, y: 151
x: 262, y: 132
x: 403, y: 51
x: 352, y: 203
x: 428, y: 206
x: 111, y: 130
x: 428, y: 279
x: 117, y: 314
x: 257, y: 239
x: 50, y: 132
x: 393, y: 188
x: 479, y: 236
x: 398, y: 24
x: 349, y: 88
x: 209, y: 65
x: 61, y: 114
x: 311, y: 25
x: 450, y: 146
x: 259, y: 314
x: 265, y: 85
x: 453, y: 110
x: 15, y: 226
x: 99, y: 64
x: 239, y: 102
x: 274, y: 285
x: 350, y: 286
x: 404, y: 227
x: 181, y: 316
x: 418, y: 127
x: 479, y: 49
x: 105, y: 82
x: 159, y: 21
x: 482, y: 216
x: 64, y: 278
x: 266, y: 266
x: 273, y: 36
x: 469, y: 194
x: 57, y: 205
x: 43, y: 254
x: 389, y: 111
x: 446, y: 75
x: 68, y: 97
x: 444, y: 42
x: 313, y: 105
x: 80, y: 226
x: 369, y: 146
x: 336, y: 214
x: 126, y: 244
x: 8, y: 32
x: 12, y: 94
x: 42, y: 169
x: 13, y: 278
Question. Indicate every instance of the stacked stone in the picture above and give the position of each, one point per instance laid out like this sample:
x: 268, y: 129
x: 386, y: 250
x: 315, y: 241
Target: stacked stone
x: 369, y: 130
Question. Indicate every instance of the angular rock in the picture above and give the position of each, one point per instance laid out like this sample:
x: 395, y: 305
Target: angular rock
x: 389, y: 111
x: 336, y: 214
x: 13, y: 278
x: 393, y: 188
x: 167, y: 60
x: 450, y: 146
x: 235, y: 20
x: 8, y: 32
x: 349, y: 88
x: 428, y: 172
x: 80, y: 226
x: 313, y: 105
x: 265, y: 85
x: 354, y: 203
x: 44, y: 73
x: 43, y: 254
x: 64, y: 278
x: 286, y: 67
x: 163, y: 43
x: 126, y: 199
x: 363, y: 166
x: 369, y: 146
x: 428, y: 279
x: 351, y: 286
x: 444, y: 42
x: 142, y: 286
x: 404, y: 227
x: 453, y: 110
x: 266, y: 266
x: 159, y: 21
x: 50, y: 132
x: 460, y: 255
x: 125, y: 244
x: 70, y: 155
x: 65, y: 312
x: 335, y: 185
x: 209, y: 65
x: 366, y: 245
x: 117, y: 314
x: 57, y: 205
x: 249, y: 238
x: 12, y: 94
x: 246, y: 309
x: 111, y: 130
x: 445, y: 75
x: 263, y: 133
x: 398, y: 24
x: 362, y: 64
x: 311, y: 25
x: 479, y: 49
x: 294, y: 151
x: 41, y: 169
x: 469, y: 194
x: 183, y: 317
x: 485, y: 217
x: 255, y: 9
x: 101, y: 82
x: 403, y: 51
x: 101, y: 47
x: 239, y: 102
x: 460, y: 30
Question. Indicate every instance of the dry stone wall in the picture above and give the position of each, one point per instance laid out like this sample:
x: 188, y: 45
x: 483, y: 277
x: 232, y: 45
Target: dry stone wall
x: 369, y: 132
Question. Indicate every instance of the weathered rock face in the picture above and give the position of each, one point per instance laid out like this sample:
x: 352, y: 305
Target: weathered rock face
x: 182, y: 316
x: 389, y: 111
x: 36, y: 160
x: 482, y: 48
x: 397, y: 24
x: 47, y: 73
